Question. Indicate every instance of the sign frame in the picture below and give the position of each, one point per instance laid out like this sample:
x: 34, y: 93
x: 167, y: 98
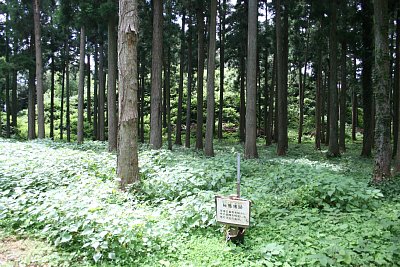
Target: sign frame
x: 237, y: 200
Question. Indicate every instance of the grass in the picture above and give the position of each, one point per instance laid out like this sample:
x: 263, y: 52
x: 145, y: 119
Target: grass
x: 307, y: 210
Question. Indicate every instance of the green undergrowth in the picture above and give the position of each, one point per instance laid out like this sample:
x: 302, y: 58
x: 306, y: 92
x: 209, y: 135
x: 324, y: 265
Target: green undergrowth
x: 307, y: 210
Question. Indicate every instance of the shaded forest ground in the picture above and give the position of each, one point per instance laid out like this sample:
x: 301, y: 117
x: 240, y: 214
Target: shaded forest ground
x: 307, y: 210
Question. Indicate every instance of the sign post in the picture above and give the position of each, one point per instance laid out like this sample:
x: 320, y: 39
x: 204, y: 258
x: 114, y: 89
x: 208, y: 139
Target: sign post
x: 234, y: 212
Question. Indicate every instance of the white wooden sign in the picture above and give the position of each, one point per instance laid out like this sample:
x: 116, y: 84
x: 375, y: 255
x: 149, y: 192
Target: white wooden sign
x: 233, y: 211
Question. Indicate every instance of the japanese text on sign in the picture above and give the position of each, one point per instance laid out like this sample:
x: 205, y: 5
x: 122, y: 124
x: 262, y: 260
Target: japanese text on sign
x: 233, y: 211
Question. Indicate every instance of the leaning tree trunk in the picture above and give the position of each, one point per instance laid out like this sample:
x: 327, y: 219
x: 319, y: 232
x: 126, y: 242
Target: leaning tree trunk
x: 200, y: 77
x: 112, y: 82
x: 382, y: 92
x: 366, y: 77
x: 250, y: 149
x: 156, y: 76
x: 127, y: 157
x: 178, y: 137
x: 39, y: 68
x: 209, y: 148
x: 81, y: 85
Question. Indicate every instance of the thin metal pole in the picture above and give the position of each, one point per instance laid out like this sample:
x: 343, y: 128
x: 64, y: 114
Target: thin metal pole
x: 238, y: 175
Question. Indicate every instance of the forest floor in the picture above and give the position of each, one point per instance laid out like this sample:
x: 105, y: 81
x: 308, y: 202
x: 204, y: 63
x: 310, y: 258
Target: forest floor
x: 60, y: 206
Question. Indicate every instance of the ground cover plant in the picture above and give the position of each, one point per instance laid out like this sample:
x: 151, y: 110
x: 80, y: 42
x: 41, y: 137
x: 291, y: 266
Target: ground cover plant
x: 307, y: 210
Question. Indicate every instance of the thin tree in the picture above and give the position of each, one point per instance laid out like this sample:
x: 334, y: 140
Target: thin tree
x: 354, y: 103
x: 250, y: 150
x: 221, y: 65
x: 178, y: 137
x: 39, y: 68
x: 343, y: 95
x: 127, y: 157
x: 382, y: 92
x: 397, y: 87
x: 88, y: 85
x: 156, y: 76
x: 209, y: 149
x: 68, y: 92
x: 200, y: 75
x: 333, y: 149
x: 112, y: 80
x: 31, y: 98
x: 189, y: 85
x: 81, y: 85
x: 101, y: 94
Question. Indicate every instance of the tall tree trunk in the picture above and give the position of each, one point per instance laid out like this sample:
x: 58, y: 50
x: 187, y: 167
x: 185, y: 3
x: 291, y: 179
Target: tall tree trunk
x: 189, y: 85
x: 127, y: 157
x: 343, y: 95
x: 63, y: 92
x: 156, y: 76
x: 285, y: 61
x: 396, y: 93
x: 354, y: 105
x: 39, y: 68
x: 31, y: 104
x: 242, y: 109
x: 81, y: 85
x: 250, y: 150
x: 102, y: 86
x: 302, y: 91
x: 88, y: 85
x: 52, y: 88
x: 272, y: 96
x: 178, y: 137
x: 200, y: 76
x: 95, y: 94
x: 366, y: 77
x: 68, y: 91
x: 112, y: 83
x: 31, y: 97
x: 397, y: 88
x: 281, y: 147
x: 143, y: 70
x: 333, y: 149
x: 301, y: 107
x: 318, y: 103
x: 267, y: 108
x: 168, y: 98
x: 382, y: 91
x: 221, y: 66
x: 209, y: 148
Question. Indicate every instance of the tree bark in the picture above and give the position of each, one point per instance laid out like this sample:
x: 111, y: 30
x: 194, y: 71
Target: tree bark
x: 318, y: 103
x: 156, y: 76
x: 343, y: 95
x: 397, y: 88
x: 189, y: 86
x: 242, y: 109
x: 168, y: 98
x: 96, y: 94
x: 267, y: 108
x: 127, y: 157
x: 102, y: 86
x: 333, y: 149
x: 52, y: 88
x: 200, y: 76
x: 382, y: 92
x: 354, y: 105
x: 250, y: 150
x: 302, y: 91
x: 63, y: 92
x: 209, y: 148
x: 88, y: 85
x: 31, y: 97
x: 178, y: 137
x: 221, y: 67
x: 112, y: 83
x: 68, y: 91
x: 39, y: 68
x: 282, y: 130
x: 366, y: 77
x: 81, y: 85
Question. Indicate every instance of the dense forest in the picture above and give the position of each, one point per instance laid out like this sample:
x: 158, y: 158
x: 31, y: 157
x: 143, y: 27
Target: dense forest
x: 307, y: 90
